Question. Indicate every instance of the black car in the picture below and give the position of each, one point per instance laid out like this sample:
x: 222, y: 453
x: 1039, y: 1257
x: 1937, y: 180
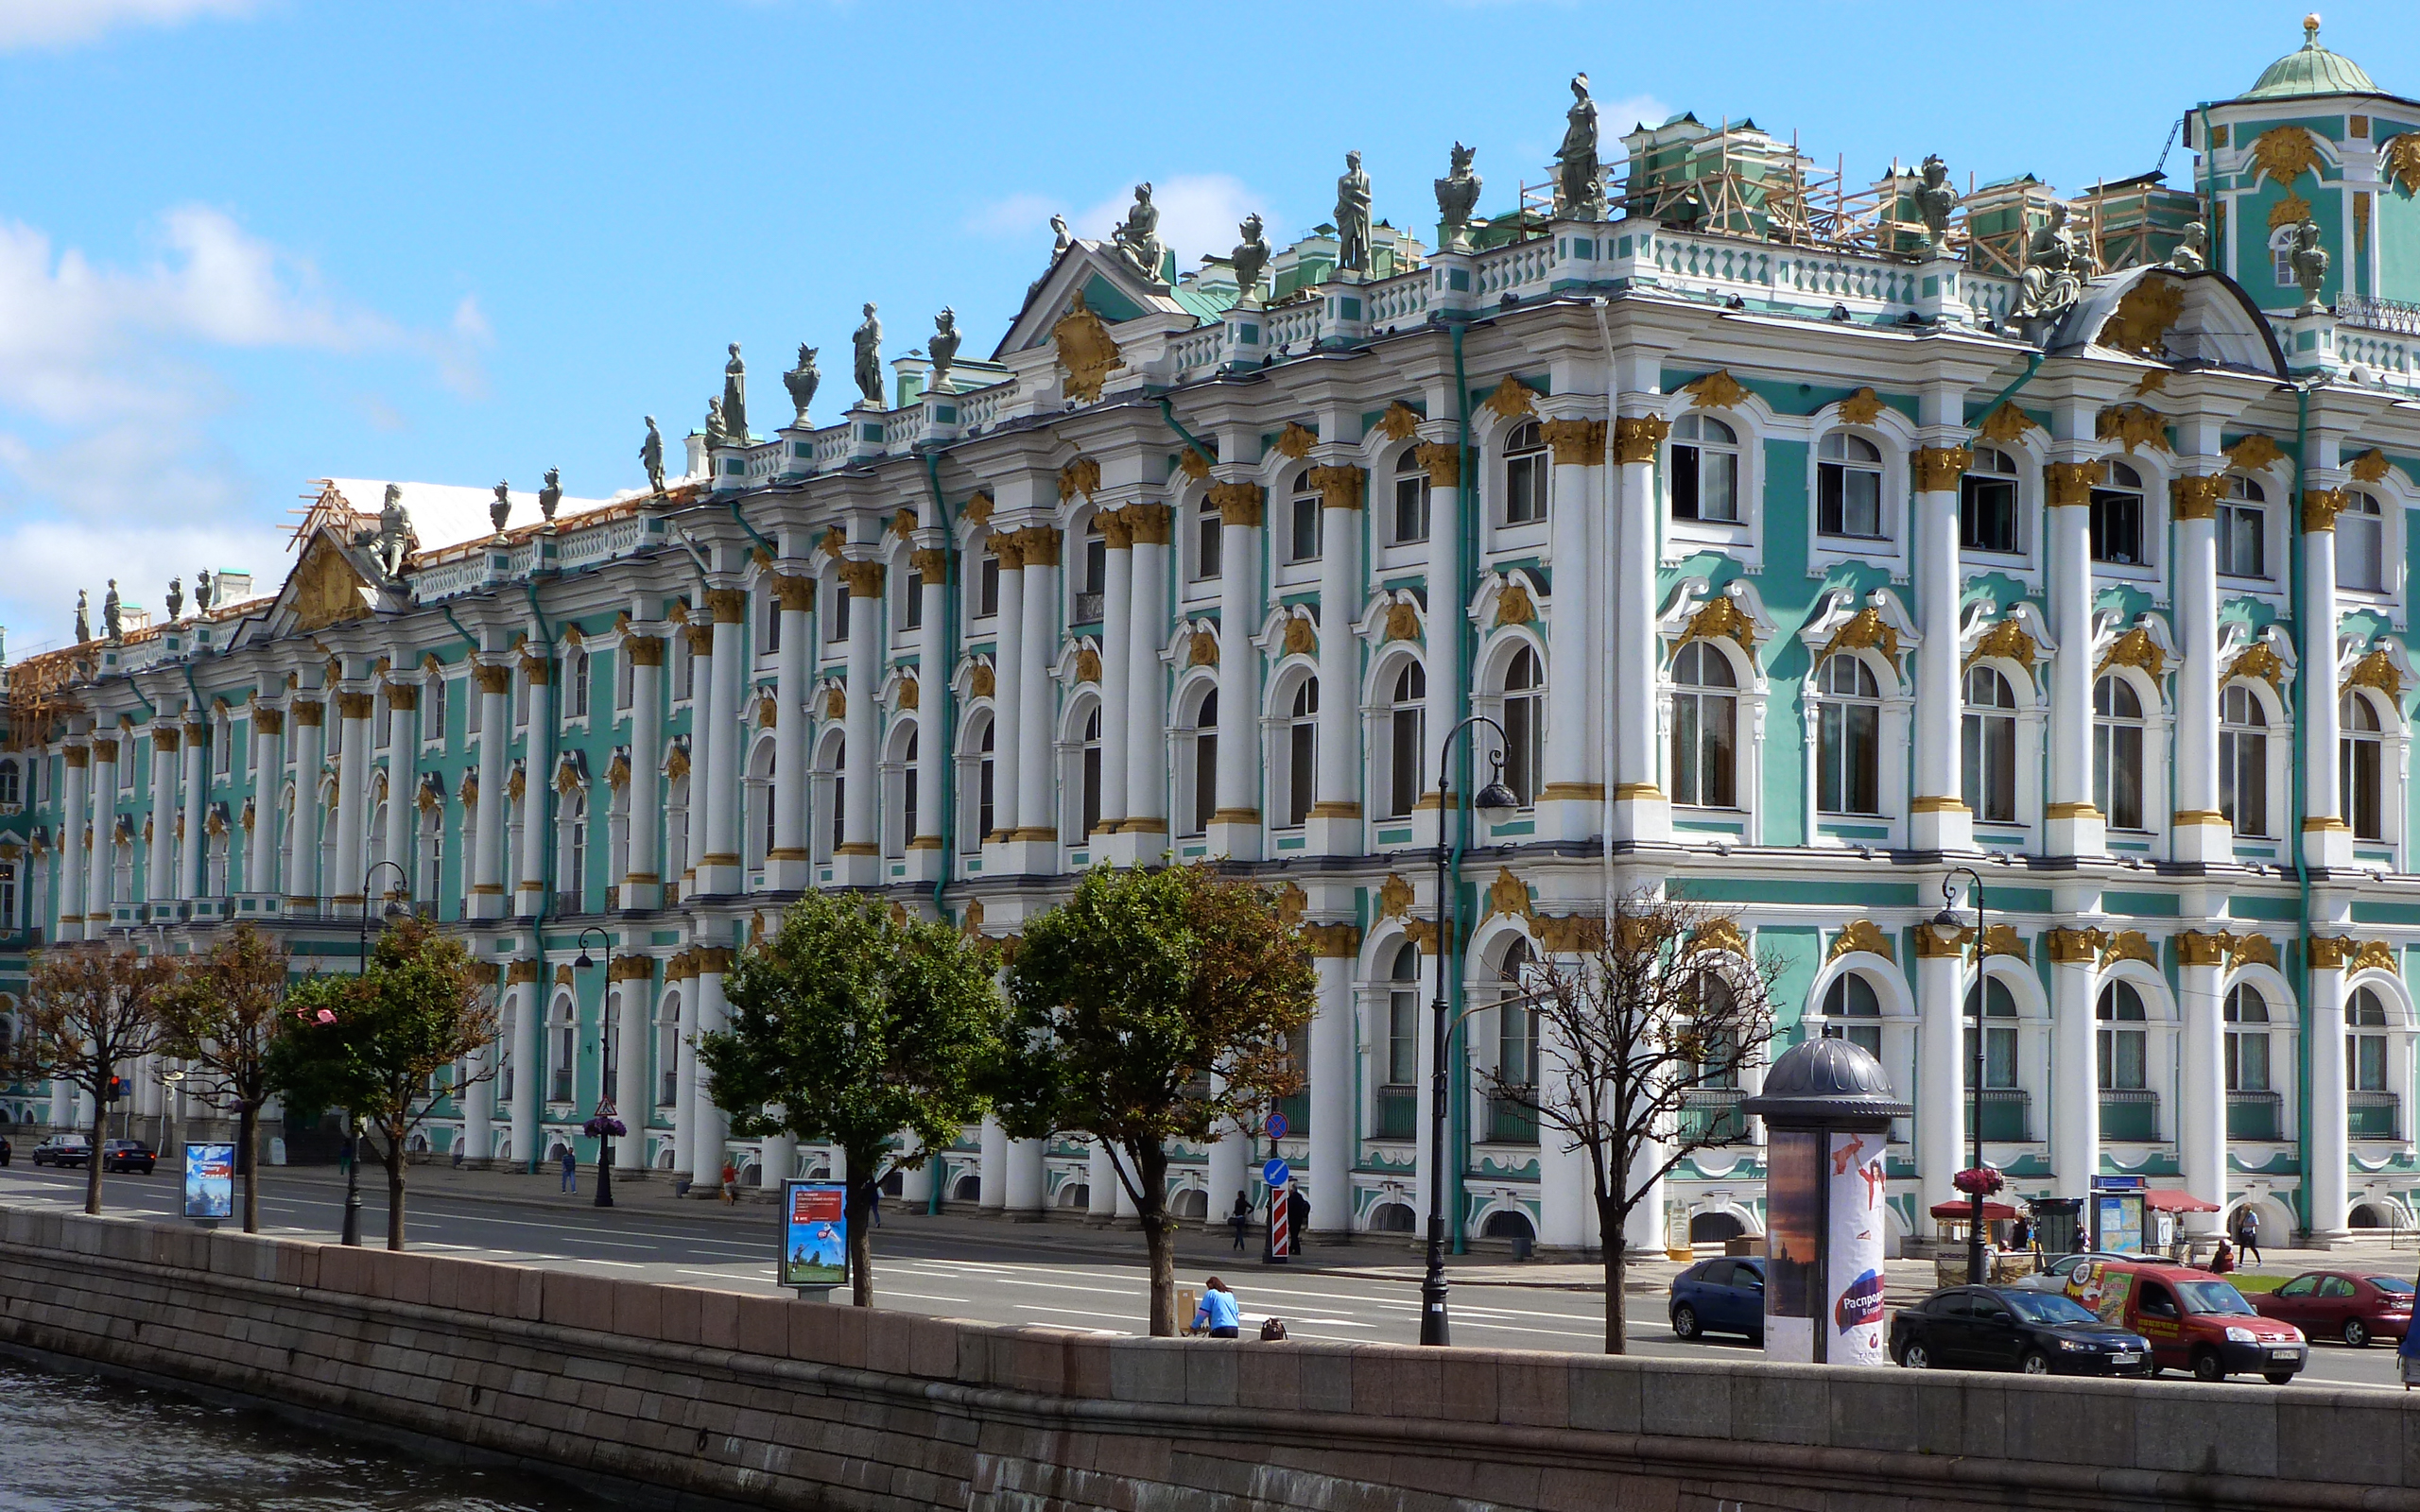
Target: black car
x: 62, y: 1150
x: 7, y: 1150
x: 2009, y: 1328
x: 1724, y: 1295
x: 127, y: 1155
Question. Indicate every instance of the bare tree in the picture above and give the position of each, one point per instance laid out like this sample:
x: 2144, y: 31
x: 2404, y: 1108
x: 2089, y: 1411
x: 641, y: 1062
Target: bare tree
x: 221, y: 1015
x: 90, y: 1013
x: 1641, y: 1032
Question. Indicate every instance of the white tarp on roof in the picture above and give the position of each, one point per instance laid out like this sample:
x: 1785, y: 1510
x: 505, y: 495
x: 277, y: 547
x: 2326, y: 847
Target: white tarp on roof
x: 447, y: 514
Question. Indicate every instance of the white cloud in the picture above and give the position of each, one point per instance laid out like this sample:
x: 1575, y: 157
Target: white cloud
x: 1016, y: 215
x: 66, y: 23
x: 1616, y: 118
x: 1199, y: 213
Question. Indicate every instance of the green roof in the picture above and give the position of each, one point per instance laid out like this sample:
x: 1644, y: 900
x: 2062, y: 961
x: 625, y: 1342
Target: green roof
x: 2311, y: 70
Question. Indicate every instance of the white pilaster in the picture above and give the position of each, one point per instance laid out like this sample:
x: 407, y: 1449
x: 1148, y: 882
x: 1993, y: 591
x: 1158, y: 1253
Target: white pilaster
x: 642, y: 884
x: 2327, y: 838
x: 857, y: 862
x: 713, y: 1124
x: 1940, y: 1065
x: 2327, y: 1158
x: 1118, y: 633
x: 934, y: 662
x: 196, y: 845
x: 1335, y: 823
x: 2198, y: 831
x: 538, y: 788
x: 304, y: 885
x: 487, y: 899
x: 1236, y: 819
x: 718, y: 870
x: 73, y: 854
x: 268, y: 767
x: 2201, y: 1083
x: 160, y: 871
x: 353, y: 709
x: 1332, y: 1085
x: 402, y: 788
x: 2074, y: 825
x: 1940, y: 819
x: 1036, y: 841
x: 2075, y: 1078
x: 1144, y: 837
x: 1642, y: 812
x: 98, y: 862
x: 788, y: 863
x: 529, y: 1060
x: 1570, y: 800
x: 992, y: 1191
x: 1008, y: 748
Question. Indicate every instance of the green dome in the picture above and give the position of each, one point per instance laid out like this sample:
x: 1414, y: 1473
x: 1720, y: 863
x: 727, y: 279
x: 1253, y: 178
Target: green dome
x: 2311, y: 70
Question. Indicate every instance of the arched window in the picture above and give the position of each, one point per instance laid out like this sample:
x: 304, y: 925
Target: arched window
x: 1853, y: 1013
x: 1988, y: 732
x: 1987, y: 503
x: 2120, y: 1051
x: 1848, y: 486
x: 987, y: 582
x: 1715, y: 1030
x: 1516, y: 1023
x: 911, y: 597
x: 1204, y: 765
x: 1849, y: 739
x: 2243, y: 531
x: 1705, y: 718
x: 2365, y: 1042
x: 1524, y: 725
x: 833, y: 781
x: 1302, y: 747
x: 756, y: 829
x: 573, y: 899
x: 1411, y: 497
x: 1085, y: 811
x: 1398, y: 1098
x: 2118, y: 516
x: 2000, y: 1038
x: 2361, y: 543
x: 908, y: 794
x: 667, y: 1051
x: 563, y: 1036
x: 1525, y: 474
x: 980, y: 790
x: 1705, y: 470
x: 1407, y: 713
x: 2243, y: 759
x: 2281, y: 248
x: 2118, y: 752
x: 2247, y: 1037
x: 1303, y: 537
x: 2360, y: 753
x: 576, y: 697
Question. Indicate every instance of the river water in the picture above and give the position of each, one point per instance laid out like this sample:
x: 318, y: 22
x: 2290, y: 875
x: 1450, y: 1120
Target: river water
x: 81, y: 1444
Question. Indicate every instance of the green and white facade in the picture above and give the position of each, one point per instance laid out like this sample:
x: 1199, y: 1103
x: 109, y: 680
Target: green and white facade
x: 1796, y: 574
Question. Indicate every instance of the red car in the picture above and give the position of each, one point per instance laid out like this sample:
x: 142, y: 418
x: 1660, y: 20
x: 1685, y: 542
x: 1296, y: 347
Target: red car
x: 2354, y: 1306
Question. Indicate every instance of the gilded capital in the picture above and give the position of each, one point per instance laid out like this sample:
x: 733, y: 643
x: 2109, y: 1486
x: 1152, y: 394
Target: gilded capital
x: 932, y: 562
x: 1939, y: 468
x: 1239, y: 504
x: 2331, y: 952
x: 1637, y: 436
x: 1040, y: 544
x: 1340, y: 487
x: 645, y: 650
x: 402, y: 697
x: 2195, y: 498
x: 536, y: 671
x: 356, y: 705
x: 1010, y: 548
x: 1576, y: 442
x: 729, y: 606
x: 2201, y: 948
x: 2071, y: 947
x: 78, y: 757
x: 310, y: 713
x: 864, y: 578
x: 2069, y: 485
x: 164, y: 738
x: 794, y: 594
x: 2321, y: 506
x: 105, y: 750
x: 1150, y: 524
x: 268, y: 721
x: 700, y: 640
x: 1114, y: 528
x: 492, y: 680
x: 1443, y: 460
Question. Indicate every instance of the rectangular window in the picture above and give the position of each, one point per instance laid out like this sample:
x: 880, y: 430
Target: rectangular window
x: 1525, y: 488
x: 1411, y: 507
x: 2244, y: 781
x: 1999, y: 1059
x: 912, y: 611
x: 2247, y: 1062
x: 1848, y: 502
x: 769, y: 616
x: 840, y: 597
x: 907, y: 806
x: 2361, y: 551
x: 1989, y: 767
x: 1305, y: 544
x: 2357, y: 776
x: 2117, y: 773
x: 2242, y: 541
x: 1851, y: 748
x: 2117, y: 528
x: 2120, y: 1056
x: 1205, y: 781
x: 1403, y: 785
x: 474, y: 708
x: 1209, y: 542
x: 1403, y: 1038
x: 1705, y: 485
x: 622, y: 676
x: 1300, y: 745
x: 1987, y: 514
x: 2365, y: 1062
x: 983, y: 772
x: 987, y: 587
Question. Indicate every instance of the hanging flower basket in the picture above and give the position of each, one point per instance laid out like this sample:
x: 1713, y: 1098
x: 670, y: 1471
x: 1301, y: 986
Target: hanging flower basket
x: 1980, y: 1181
x: 602, y: 1127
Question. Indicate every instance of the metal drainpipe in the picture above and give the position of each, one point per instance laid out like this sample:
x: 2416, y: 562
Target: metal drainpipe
x: 741, y: 521
x: 1465, y: 521
x: 2302, y: 746
x: 947, y: 712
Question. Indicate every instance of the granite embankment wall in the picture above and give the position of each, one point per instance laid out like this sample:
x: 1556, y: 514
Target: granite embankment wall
x: 688, y: 1393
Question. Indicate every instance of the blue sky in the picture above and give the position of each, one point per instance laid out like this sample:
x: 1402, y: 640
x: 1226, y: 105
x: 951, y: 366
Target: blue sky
x: 245, y: 244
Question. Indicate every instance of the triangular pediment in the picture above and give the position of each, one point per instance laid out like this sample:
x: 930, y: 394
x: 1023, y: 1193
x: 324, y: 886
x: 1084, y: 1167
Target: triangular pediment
x: 1111, y: 286
x: 327, y: 587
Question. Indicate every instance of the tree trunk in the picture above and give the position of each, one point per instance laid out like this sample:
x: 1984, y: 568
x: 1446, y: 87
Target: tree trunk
x: 394, y: 1194
x: 1611, y: 1219
x: 247, y: 1133
x: 862, y: 1173
x: 1151, y: 1208
x: 92, y: 1154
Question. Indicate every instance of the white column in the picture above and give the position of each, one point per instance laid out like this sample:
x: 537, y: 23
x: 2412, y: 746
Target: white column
x: 72, y: 853
x: 642, y: 884
x: 1008, y: 676
x: 196, y: 845
x: 634, y: 1038
x: 538, y: 788
x: 2201, y: 1083
x: 269, y: 766
x: 2327, y: 1159
x: 1229, y: 1168
x: 478, y: 1109
x: 936, y: 661
x: 777, y: 1159
x: 992, y: 1194
x: 2075, y: 1077
x: 528, y: 1052
x: 1037, y: 815
x: 1335, y: 827
x: 1568, y: 802
x: 486, y: 897
x: 1940, y: 819
x: 916, y: 1183
x: 303, y: 881
x: 858, y: 860
x: 683, y: 976
x: 1025, y: 1184
x: 787, y: 864
x: 1566, y: 1192
x: 1333, y: 1137
x: 1641, y: 810
x: 718, y: 870
x: 1147, y: 687
x: 713, y: 1124
x: 1234, y: 820
x: 2075, y: 827
x: 160, y: 879
x: 2199, y: 831
x: 98, y: 862
x: 354, y: 710
x: 1423, y: 1145
x: 1448, y: 702
x: 1119, y: 735
x: 2326, y: 838
x: 402, y: 788
x: 1941, y: 1065
x: 1100, y: 1183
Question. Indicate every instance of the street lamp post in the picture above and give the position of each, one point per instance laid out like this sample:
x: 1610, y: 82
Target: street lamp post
x: 352, y: 1121
x: 1493, y: 799
x: 605, y: 1108
x: 1947, y: 925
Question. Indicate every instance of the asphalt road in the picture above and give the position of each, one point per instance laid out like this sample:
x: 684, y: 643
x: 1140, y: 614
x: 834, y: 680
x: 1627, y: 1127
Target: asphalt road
x: 1037, y: 1275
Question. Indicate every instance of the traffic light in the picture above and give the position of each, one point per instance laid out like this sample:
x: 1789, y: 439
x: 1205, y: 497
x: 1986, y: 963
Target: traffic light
x: 117, y: 1088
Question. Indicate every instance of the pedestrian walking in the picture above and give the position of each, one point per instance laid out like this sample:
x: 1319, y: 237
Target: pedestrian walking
x: 2247, y: 1236
x: 571, y: 1168
x: 1220, y: 1316
x: 1240, y: 1219
x: 874, y: 1205
x: 729, y: 1184
x: 1298, y: 1215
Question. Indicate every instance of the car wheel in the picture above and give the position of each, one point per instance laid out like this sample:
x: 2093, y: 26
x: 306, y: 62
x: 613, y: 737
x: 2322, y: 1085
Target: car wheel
x: 1684, y: 1321
x: 1915, y: 1355
x: 2278, y: 1378
x: 2357, y: 1332
x: 2206, y: 1366
x: 2035, y: 1363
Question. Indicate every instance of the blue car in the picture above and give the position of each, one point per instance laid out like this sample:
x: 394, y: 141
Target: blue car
x: 1724, y: 1295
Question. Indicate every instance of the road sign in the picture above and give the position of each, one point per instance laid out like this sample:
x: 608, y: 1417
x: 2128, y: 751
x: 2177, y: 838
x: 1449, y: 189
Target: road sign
x: 1274, y: 1174
x: 1281, y: 1218
x: 1277, y: 1126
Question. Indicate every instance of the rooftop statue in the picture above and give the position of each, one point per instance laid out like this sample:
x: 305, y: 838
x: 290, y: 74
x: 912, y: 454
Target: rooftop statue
x: 202, y: 592
x: 734, y: 397
x: 1579, y: 180
x: 552, y: 494
x: 1935, y: 199
x: 1457, y: 197
x: 1352, y: 217
x: 1139, y: 237
x: 2057, y: 263
x: 2192, y: 254
x: 800, y: 381
x: 718, y: 432
x: 501, y: 510
x: 112, y: 621
x: 83, y: 618
x: 393, y: 542
x: 1251, y: 260
x: 944, y: 347
x: 651, y: 454
x: 867, y: 341
x: 2309, y: 262
x: 176, y: 597
x: 1065, y: 237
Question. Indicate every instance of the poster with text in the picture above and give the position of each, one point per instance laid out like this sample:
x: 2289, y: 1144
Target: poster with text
x: 815, y: 1234
x: 1852, y: 1311
x: 1793, y: 1206
x: 210, y: 1180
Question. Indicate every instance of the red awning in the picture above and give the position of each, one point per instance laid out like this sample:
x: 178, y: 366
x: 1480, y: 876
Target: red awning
x: 1993, y: 1212
x: 2163, y: 1199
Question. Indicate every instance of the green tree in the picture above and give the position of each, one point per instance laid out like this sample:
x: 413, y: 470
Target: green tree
x: 375, y: 1044
x: 1151, y: 1007
x: 851, y: 1026
x: 90, y: 1013
x: 222, y: 1015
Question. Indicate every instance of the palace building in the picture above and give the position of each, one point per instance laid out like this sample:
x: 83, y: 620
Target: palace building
x: 1804, y: 541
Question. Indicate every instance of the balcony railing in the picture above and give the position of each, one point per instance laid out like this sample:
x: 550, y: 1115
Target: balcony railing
x: 2371, y: 1115
x: 1509, y: 1123
x: 2129, y: 1113
x: 2007, y: 1114
x: 1710, y: 1115
x: 1297, y: 1110
x: 2256, y: 1115
x: 2379, y: 315
x: 562, y: 1088
x: 1398, y: 1113
x: 567, y: 901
